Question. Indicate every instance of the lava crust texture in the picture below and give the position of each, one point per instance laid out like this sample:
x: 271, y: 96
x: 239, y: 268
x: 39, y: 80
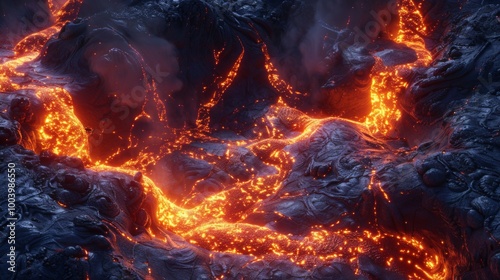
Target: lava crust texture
x: 192, y: 139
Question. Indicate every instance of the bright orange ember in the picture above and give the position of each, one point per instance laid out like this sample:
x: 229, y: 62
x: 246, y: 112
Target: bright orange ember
x: 217, y: 223
x: 386, y: 82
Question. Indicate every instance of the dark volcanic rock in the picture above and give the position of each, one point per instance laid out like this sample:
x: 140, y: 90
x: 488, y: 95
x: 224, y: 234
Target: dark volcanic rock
x: 149, y: 68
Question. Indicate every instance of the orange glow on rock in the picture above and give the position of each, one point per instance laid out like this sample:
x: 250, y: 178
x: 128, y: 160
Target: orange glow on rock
x: 218, y: 222
x: 386, y: 81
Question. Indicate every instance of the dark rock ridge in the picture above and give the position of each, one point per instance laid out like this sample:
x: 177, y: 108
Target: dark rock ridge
x: 438, y: 180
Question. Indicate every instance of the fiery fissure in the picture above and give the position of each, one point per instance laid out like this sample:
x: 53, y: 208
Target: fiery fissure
x: 206, y: 224
x: 387, y: 82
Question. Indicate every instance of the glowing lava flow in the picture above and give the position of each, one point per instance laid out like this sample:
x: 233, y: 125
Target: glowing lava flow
x: 61, y: 132
x: 52, y: 136
x: 387, y: 81
x: 217, y: 223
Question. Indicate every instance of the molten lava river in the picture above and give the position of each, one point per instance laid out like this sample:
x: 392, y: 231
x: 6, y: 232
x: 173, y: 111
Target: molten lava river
x: 239, y: 169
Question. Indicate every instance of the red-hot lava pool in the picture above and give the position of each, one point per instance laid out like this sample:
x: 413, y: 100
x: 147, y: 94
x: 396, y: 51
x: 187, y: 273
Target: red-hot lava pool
x: 250, y: 139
